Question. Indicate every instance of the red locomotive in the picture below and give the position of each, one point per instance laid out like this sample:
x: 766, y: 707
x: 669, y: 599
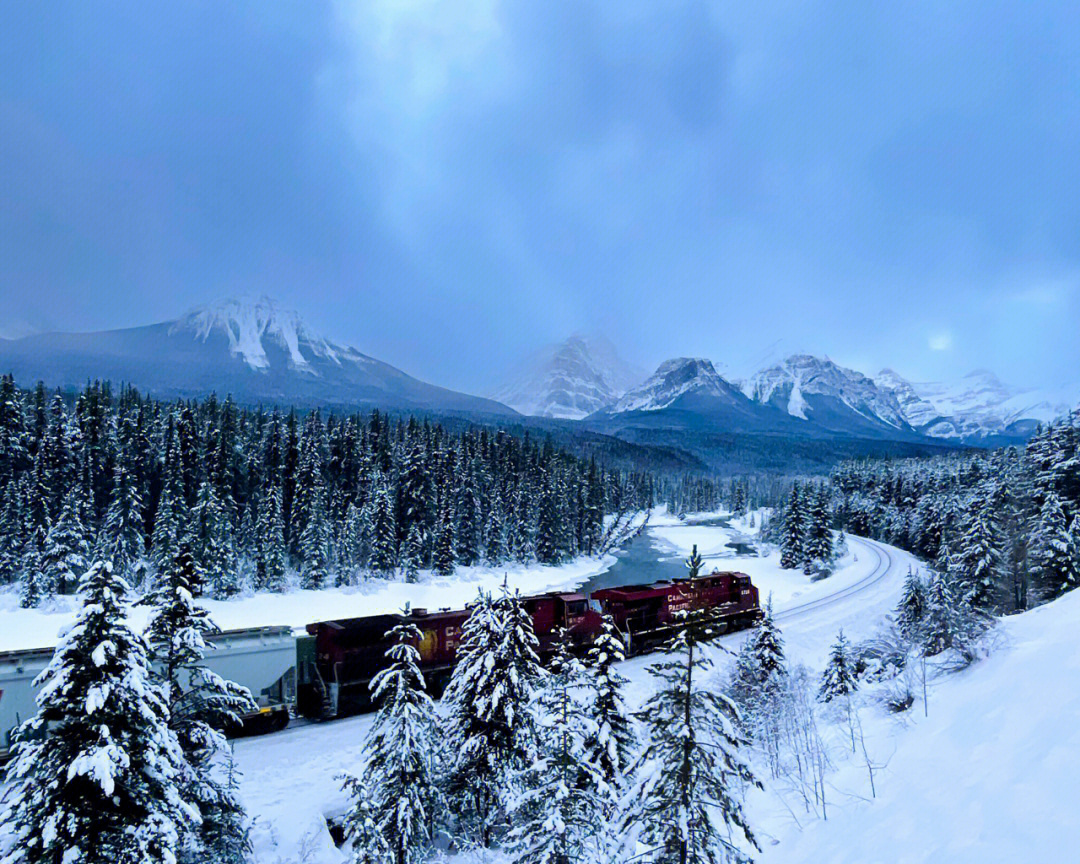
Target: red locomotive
x: 339, y: 658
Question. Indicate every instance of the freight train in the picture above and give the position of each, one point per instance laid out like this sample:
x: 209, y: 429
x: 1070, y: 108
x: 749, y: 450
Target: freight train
x: 324, y: 672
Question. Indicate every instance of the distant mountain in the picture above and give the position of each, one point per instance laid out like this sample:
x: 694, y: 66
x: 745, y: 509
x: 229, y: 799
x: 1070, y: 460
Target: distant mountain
x: 977, y: 407
x: 252, y: 349
x: 688, y: 393
x: 570, y: 380
x: 829, y: 396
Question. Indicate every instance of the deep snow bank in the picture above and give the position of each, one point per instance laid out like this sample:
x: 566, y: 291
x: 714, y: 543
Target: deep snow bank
x: 991, y: 775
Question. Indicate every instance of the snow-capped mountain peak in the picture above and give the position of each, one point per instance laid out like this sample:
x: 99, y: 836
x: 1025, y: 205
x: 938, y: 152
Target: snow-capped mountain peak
x: 979, y: 405
x: 255, y: 350
x: 673, y: 379
x: 246, y: 323
x: 808, y: 387
x: 570, y: 380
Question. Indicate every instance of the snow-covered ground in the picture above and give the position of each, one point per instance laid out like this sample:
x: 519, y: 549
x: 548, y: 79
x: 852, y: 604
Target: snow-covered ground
x: 991, y: 775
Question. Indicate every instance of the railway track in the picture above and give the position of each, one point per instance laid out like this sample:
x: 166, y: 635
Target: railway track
x: 879, y: 571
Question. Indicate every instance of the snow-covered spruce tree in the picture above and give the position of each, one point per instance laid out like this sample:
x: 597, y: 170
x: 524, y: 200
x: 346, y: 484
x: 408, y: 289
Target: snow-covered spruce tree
x: 226, y: 829
x: 443, y: 554
x: 201, y: 705
x: 35, y: 587
x: 495, y: 536
x: 978, y: 559
x: 939, y: 627
x: 557, y: 818
x: 384, y: 553
x: 548, y: 548
x: 1050, y: 554
x: 694, y: 563
x: 102, y: 786
x: 66, y: 555
x: 315, y: 541
x: 362, y: 834
x: 121, y: 540
x: 467, y: 530
x: 611, y: 742
x: 792, y: 531
x: 213, y: 545
x: 404, y: 747
x: 692, y: 771
x: 491, y: 731
x: 838, y: 681
x: 762, y: 662
x: 412, y: 556
x: 911, y: 610
x: 819, y: 542
x: 169, y: 517
x: 760, y: 684
x: 270, y: 543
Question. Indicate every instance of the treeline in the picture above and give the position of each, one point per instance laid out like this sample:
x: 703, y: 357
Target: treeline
x: 260, y: 498
x: 1003, y: 527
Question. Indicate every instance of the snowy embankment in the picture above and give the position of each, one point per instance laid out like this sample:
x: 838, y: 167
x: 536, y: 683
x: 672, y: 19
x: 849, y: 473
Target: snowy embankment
x: 990, y: 775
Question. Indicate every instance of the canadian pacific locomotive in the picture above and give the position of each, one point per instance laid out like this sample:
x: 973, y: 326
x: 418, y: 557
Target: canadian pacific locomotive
x: 343, y: 656
x: 325, y: 672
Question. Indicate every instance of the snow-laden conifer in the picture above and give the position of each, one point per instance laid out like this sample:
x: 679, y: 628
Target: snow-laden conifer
x: 1050, y: 549
x: 838, y: 681
x: 611, y: 742
x: 940, y: 622
x: 121, y: 541
x: 202, y: 705
x: 270, y: 543
x: 363, y: 837
x: 792, y: 547
x: 559, y: 815
x: 687, y: 806
x: 911, y: 610
x: 96, y: 776
x: 491, y: 730
x: 404, y: 748
x: 977, y: 560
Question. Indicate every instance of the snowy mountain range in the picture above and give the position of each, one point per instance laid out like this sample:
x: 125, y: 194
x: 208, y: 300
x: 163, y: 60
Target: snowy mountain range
x: 570, y: 380
x: 252, y: 349
x: 979, y: 406
x: 688, y: 393
x: 808, y: 396
x: 259, y: 352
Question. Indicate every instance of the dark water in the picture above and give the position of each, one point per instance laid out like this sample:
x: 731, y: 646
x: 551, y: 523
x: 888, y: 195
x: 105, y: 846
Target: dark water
x: 642, y: 561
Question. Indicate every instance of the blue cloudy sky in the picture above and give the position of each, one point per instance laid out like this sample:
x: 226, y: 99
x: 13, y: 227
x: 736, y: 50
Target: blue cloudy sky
x: 448, y: 184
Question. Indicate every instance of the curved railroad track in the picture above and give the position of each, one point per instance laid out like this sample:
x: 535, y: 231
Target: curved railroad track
x: 879, y: 571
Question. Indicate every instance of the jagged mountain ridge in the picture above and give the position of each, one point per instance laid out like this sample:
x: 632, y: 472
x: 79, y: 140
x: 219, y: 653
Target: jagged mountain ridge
x: 688, y: 393
x: 570, y: 380
x: 818, y: 390
x: 252, y: 349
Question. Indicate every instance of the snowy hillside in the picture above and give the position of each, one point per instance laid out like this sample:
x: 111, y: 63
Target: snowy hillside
x: 988, y: 776
x: 570, y: 380
x: 251, y: 348
x: 979, y: 405
x: 815, y: 388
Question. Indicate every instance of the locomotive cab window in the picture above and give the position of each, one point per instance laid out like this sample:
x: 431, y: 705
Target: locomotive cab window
x: 575, y: 607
